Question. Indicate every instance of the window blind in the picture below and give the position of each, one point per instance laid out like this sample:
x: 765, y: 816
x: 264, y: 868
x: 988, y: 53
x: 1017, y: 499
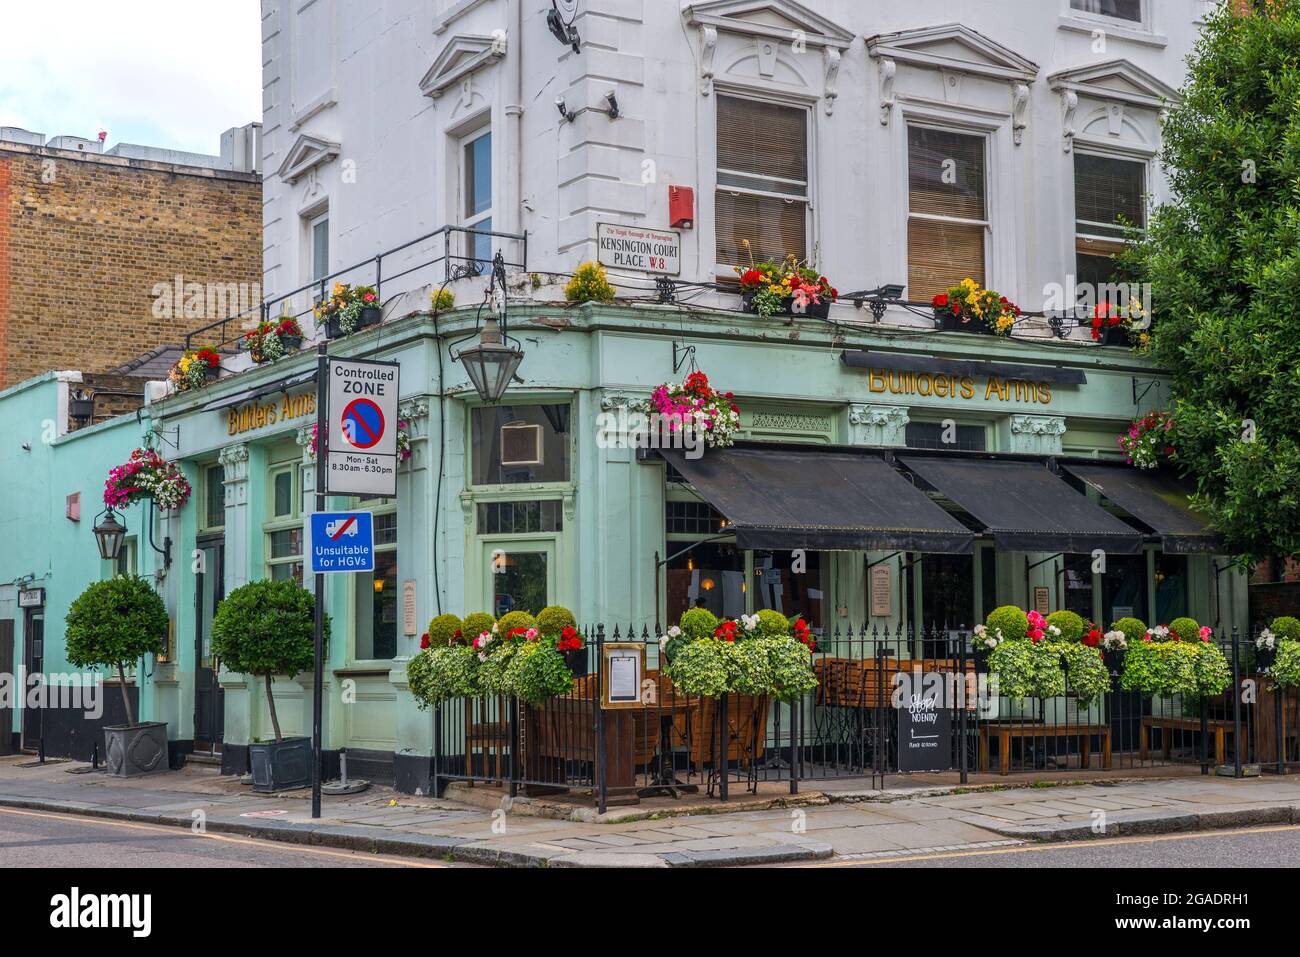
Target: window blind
x: 762, y: 193
x: 1107, y: 190
x: 946, y: 178
x: 1119, y: 9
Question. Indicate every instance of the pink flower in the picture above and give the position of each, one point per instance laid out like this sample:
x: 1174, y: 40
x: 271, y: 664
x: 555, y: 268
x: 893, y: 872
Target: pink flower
x: 1206, y: 632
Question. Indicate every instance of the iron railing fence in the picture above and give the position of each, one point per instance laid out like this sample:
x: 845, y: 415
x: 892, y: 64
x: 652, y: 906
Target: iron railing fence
x: 887, y: 702
x: 449, y: 247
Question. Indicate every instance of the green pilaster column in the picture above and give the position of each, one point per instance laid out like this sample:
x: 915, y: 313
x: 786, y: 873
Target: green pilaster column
x: 239, y: 689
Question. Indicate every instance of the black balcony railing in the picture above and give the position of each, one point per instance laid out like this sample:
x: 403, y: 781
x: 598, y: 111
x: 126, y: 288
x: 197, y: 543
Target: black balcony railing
x: 450, y: 247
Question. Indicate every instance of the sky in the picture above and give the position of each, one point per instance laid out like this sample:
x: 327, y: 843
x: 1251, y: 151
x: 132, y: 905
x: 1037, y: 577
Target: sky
x: 167, y: 73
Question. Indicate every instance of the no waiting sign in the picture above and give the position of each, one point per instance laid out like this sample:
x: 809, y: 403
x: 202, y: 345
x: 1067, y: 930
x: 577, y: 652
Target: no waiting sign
x: 361, y: 441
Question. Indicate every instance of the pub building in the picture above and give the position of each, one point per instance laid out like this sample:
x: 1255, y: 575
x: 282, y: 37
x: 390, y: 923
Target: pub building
x: 924, y: 486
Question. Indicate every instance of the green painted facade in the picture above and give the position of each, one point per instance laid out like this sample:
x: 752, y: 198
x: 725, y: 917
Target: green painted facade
x: 607, y: 522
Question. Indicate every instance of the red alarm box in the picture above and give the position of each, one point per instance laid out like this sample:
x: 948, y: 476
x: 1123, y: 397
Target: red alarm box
x: 681, y: 207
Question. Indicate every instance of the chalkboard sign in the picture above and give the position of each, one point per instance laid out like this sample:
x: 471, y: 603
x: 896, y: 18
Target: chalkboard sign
x: 924, y: 733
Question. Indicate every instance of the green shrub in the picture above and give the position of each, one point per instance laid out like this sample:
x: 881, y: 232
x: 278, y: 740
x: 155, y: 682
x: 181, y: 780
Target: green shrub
x: 537, y: 672
x: 1086, y: 672
x: 442, y: 630
x: 475, y: 624
x: 1186, y: 628
x: 701, y: 668
x: 1213, y: 673
x: 442, y: 672
x: 590, y: 283
x: 749, y: 666
x: 1010, y: 620
x: 491, y: 676
x: 267, y: 628
x: 112, y: 624
x: 553, y: 619
x: 773, y: 624
x: 792, y: 673
x: 1160, y: 668
x: 698, y: 623
x: 1027, y: 669
x: 1071, y: 625
x: 1134, y: 629
x: 1286, y: 666
x: 512, y: 620
x: 442, y: 300
x: 1286, y: 627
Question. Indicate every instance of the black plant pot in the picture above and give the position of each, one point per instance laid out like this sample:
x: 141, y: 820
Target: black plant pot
x: 370, y: 316
x: 576, y: 659
x: 333, y: 329
x: 81, y: 408
x: 131, y: 750
x: 1109, y: 335
x: 280, y: 765
x: 291, y: 343
x: 211, y: 372
x: 981, y: 658
x: 1264, y: 658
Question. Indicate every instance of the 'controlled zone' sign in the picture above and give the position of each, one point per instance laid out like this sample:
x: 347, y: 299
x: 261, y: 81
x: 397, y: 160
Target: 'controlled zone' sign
x: 361, y: 439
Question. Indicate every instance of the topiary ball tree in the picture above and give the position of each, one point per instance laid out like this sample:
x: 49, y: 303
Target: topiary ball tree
x: 553, y: 619
x: 114, y: 622
x: 773, y: 624
x: 442, y: 630
x: 1286, y: 628
x: 475, y: 624
x: 698, y: 623
x: 512, y: 620
x: 1010, y: 620
x: 1134, y: 629
x: 267, y: 628
x: 1071, y: 625
x: 1187, y: 629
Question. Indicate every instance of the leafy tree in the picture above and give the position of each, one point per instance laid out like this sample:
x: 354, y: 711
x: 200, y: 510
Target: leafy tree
x: 1224, y: 261
x: 114, y: 622
x: 267, y: 628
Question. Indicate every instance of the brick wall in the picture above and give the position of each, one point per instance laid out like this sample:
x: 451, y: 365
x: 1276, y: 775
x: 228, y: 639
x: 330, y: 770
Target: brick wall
x: 85, y: 241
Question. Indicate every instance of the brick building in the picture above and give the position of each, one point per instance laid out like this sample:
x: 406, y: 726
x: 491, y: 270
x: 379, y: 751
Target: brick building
x: 107, y: 255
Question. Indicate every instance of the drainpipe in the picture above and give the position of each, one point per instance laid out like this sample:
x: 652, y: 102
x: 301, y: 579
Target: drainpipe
x: 514, y: 111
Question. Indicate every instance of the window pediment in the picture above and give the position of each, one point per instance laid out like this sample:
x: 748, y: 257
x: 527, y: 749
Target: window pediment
x: 462, y: 55
x: 307, y: 153
x: 955, y: 48
x: 1116, y: 80
x: 776, y: 19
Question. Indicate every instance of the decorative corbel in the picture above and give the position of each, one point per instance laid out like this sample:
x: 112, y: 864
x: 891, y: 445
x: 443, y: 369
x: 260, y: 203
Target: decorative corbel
x: 888, y: 73
x: 708, y: 50
x: 1115, y: 118
x: 1069, y: 105
x: 1019, y: 109
x: 831, y: 58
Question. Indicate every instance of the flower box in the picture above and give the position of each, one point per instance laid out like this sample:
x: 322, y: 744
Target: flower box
x: 968, y: 307
x: 788, y: 288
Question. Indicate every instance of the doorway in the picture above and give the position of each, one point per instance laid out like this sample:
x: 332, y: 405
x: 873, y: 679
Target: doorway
x: 33, y: 726
x: 209, y: 698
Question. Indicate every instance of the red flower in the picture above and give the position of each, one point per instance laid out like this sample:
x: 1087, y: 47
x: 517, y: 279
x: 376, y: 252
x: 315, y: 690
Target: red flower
x: 424, y: 640
x: 751, y: 277
x: 940, y: 301
x: 1093, y: 638
x: 517, y: 632
x: 726, y: 631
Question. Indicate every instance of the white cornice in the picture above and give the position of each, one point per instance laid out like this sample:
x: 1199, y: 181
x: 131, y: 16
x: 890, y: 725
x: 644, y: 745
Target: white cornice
x: 462, y: 55
x: 306, y: 154
x: 1149, y: 91
x: 987, y: 57
x: 734, y: 16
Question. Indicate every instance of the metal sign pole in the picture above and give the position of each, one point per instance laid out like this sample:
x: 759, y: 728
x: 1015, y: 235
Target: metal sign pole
x: 318, y: 680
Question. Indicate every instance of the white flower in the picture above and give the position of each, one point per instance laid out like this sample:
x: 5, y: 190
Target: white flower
x: 674, y: 632
x: 663, y: 644
x: 979, y: 630
x: 749, y: 621
x: 1054, y: 630
x: 1266, y: 639
x: 1115, y: 641
x: 1159, y: 632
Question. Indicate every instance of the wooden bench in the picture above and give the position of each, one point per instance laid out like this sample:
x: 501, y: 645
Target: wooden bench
x: 1004, y: 731
x: 1218, y: 726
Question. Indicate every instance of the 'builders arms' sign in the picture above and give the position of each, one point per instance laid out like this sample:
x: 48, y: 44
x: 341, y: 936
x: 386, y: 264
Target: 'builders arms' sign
x: 992, y: 388
x: 257, y: 415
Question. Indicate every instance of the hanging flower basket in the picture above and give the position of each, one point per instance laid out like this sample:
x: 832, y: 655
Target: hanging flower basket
x: 696, y: 407
x: 1149, y: 441
x: 146, y: 475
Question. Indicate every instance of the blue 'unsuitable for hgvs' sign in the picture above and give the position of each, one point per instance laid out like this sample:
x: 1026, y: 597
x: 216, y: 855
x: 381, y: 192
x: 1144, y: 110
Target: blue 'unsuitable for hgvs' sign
x: 342, y: 542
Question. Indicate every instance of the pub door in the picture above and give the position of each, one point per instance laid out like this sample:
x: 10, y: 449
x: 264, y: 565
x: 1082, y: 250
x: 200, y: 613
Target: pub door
x: 33, y: 664
x: 209, y: 698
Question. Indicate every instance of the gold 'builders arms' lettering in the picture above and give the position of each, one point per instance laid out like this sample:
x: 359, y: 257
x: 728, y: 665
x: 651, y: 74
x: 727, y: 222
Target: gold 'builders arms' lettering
x: 256, y: 415
x: 954, y: 387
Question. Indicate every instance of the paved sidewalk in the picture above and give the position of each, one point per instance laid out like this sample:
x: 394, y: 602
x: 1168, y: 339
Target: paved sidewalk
x: 890, y: 823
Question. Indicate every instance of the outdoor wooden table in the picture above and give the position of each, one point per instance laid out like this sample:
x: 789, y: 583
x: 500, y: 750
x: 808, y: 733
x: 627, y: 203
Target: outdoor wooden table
x: 1150, y: 723
x: 1006, y: 730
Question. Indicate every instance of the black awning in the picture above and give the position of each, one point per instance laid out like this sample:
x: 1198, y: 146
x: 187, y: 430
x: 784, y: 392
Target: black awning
x: 1025, y: 507
x: 837, y: 501
x: 1155, y: 499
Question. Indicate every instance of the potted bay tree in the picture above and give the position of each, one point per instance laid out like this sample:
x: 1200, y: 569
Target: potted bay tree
x: 264, y: 629
x: 112, y: 624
